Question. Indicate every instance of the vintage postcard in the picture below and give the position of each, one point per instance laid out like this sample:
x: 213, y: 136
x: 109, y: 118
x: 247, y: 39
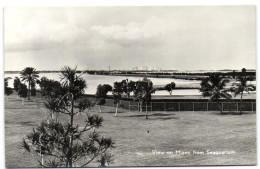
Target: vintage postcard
x: 130, y: 86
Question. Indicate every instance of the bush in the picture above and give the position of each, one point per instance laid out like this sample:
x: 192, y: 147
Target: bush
x: 22, y: 91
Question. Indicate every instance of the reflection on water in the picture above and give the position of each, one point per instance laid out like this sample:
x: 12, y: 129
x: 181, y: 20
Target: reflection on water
x: 94, y: 80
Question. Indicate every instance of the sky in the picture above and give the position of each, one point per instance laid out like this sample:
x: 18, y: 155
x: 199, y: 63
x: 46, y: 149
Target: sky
x: 166, y: 37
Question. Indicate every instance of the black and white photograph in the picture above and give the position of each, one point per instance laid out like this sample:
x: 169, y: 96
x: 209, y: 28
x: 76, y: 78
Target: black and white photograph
x: 129, y: 86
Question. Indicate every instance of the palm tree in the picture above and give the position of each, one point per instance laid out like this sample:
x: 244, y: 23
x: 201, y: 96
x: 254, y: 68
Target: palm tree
x: 29, y: 75
x: 241, y: 86
x: 214, y: 88
x: 73, y: 81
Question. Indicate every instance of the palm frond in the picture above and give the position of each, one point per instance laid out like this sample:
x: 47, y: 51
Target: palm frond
x: 225, y: 95
x: 251, y: 87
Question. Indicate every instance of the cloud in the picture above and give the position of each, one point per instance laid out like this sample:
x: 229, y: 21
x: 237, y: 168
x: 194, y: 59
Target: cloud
x: 40, y: 29
x: 152, y: 28
x: 44, y: 37
x: 183, y: 37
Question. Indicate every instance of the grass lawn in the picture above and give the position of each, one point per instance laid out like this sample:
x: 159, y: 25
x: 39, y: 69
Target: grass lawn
x: 136, y: 138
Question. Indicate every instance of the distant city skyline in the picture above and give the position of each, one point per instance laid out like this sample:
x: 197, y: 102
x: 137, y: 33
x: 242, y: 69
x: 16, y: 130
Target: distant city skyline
x: 183, y: 38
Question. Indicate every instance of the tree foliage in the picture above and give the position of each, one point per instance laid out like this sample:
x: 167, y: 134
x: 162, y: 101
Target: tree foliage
x: 17, y: 82
x: 8, y: 90
x: 169, y: 87
x: 241, y: 86
x: 65, y: 144
x: 143, y: 92
x: 101, y: 94
x: 22, y: 91
x: 49, y: 87
x: 30, y: 76
x: 130, y: 87
x: 86, y: 104
x: 118, y: 90
x: 33, y: 89
x: 214, y: 88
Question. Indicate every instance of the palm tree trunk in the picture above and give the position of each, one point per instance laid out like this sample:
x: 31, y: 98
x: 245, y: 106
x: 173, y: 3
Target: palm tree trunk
x: 240, y: 107
x: 29, y: 89
x: 116, y: 108
x: 70, y: 163
x: 146, y: 112
x: 71, y: 141
x: 100, y: 111
x: 42, y: 160
x: 141, y: 107
x: 220, y: 107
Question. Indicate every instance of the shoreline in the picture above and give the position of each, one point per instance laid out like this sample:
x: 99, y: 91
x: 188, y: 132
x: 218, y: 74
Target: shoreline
x: 150, y: 74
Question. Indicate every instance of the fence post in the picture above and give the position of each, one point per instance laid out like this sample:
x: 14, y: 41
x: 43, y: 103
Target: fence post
x: 129, y: 105
x: 179, y: 104
x: 164, y: 106
x: 237, y: 106
x: 151, y: 106
x: 252, y: 106
x: 207, y: 106
x: 222, y: 106
x: 193, y: 105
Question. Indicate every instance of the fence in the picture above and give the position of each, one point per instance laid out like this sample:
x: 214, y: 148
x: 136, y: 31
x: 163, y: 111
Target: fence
x: 186, y: 106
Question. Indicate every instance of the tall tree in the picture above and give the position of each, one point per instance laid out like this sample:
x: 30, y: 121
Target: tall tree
x: 241, y: 86
x: 29, y: 75
x: 101, y: 94
x: 169, y: 87
x: 117, y: 93
x: 143, y: 93
x: 67, y: 144
x: 17, y: 82
x: 124, y: 84
x: 214, y: 88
